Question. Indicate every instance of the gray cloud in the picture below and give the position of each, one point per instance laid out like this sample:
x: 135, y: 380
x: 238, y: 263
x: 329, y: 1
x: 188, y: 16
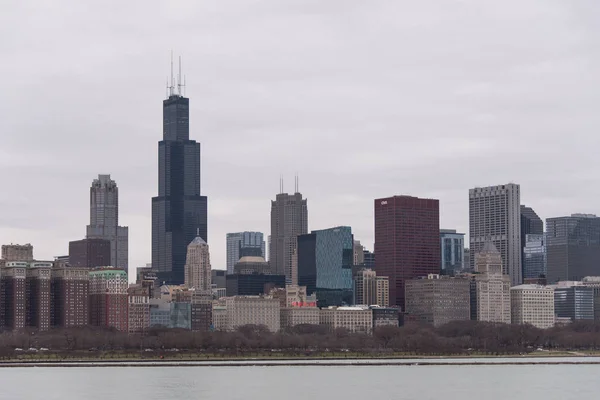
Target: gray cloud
x: 362, y: 98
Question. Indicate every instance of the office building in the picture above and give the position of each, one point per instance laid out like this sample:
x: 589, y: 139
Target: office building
x: 531, y: 224
x: 452, y: 251
x: 90, y: 253
x: 17, y: 252
x: 490, y: 300
x: 70, y: 296
x: 201, y: 310
x: 370, y: 289
x: 573, y: 300
x: 241, y: 244
x: 534, y: 257
x: 594, y: 282
x: 572, y: 247
x: 384, y: 316
x: 353, y: 319
x: 38, y: 295
x: 108, y: 298
x: 533, y: 305
x: 253, y: 284
x: 138, y: 314
x: 325, y: 259
x: 293, y: 296
x: 368, y: 259
x: 359, y: 254
x: 179, y: 212
x: 104, y: 220
x: 407, y: 241
x: 252, y: 265
x: 217, y: 278
x: 252, y: 310
x: 289, y: 219
x: 438, y: 299
x: 197, y: 266
x: 495, y: 215
x: 13, y: 297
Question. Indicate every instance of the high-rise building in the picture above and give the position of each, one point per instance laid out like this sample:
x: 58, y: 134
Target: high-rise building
x: 495, y: 215
x: 573, y: 247
x: 197, y: 265
x: 138, y: 313
x: 573, y: 300
x: 534, y: 256
x: 70, y: 296
x: 359, y: 254
x: 453, y: 251
x: 108, y: 298
x: 38, y: 295
x: 104, y: 220
x: 13, y: 297
x: 289, y: 219
x: 532, y: 304
x: 90, y: 253
x: 201, y: 310
x: 531, y: 224
x: 243, y: 244
x: 179, y: 212
x: 407, y: 241
x: 252, y: 310
x: 253, y: 284
x: 325, y: 259
x: 438, y: 300
x: 17, y: 252
x: 368, y: 259
x: 491, y: 292
x: 370, y: 289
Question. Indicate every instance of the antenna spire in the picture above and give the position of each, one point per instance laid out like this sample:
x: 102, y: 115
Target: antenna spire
x: 179, y: 78
x: 172, y: 86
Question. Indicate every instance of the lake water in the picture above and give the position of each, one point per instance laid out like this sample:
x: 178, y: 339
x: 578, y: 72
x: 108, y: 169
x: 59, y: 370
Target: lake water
x: 422, y: 382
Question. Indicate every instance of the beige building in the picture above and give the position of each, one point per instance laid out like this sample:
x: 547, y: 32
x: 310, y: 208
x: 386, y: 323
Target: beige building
x: 532, y: 304
x: 219, y: 315
x: 17, y: 252
x: 252, y: 310
x: 359, y: 255
x: 354, y: 319
x: 292, y: 316
x: 438, y: 300
x: 370, y: 289
x: 139, y: 309
x: 197, y: 265
x: 492, y: 286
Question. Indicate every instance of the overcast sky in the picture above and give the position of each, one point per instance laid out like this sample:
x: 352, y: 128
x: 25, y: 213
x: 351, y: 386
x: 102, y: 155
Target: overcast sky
x: 363, y: 98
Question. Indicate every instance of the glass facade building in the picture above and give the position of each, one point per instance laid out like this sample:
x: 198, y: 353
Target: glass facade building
x: 453, y: 250
x: 534, y: 257
x: 241, y: 244
x: 179, y: 212
x: 574, y: 302
x: 325, y: 259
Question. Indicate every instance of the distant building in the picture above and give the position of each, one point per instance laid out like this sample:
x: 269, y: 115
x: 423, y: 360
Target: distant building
x: 293, y: 316
x: 218, y: 278
x: 104, y: 220
x: 491, y: 287
x: 197, y: 265
x: 354, y: 319
x: 70, y: 296
x: 242, y: 244
x: 108, y: 298
x: 253, y: 284
x: 385, y: 316
x: 289, y: 219
x: 201, y: 310
x: 17, y: 252
x: 138, y: 310
x: 594, y: 282
x: 532, y: 304
x: 13, y: 298
x: 438, y: 300
x: 325, y: 259
x: 252, y: 310
x: 90, y: 253
x: 573, y: 301
x: 38, y: 295
x: 534, y: 257
x: 495, y: 215
x: 453, y: 249
x: 370, y: 289
x: 531, y: 224
x: 359, y: 253
x: 368, y: 259
x: 407, y: 241
x: 252, y: 265
x: 573, y: 247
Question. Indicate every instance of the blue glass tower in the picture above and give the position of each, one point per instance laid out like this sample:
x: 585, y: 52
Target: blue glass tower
x: 179, y: 212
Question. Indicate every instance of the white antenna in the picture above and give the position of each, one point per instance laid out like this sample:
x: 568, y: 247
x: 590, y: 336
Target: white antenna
x: 179, y: 78
x: 172, y: 87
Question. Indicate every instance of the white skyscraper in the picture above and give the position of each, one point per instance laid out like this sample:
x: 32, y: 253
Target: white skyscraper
x: 197, y: 265
x: 104, y: 220
x: 494, y: 215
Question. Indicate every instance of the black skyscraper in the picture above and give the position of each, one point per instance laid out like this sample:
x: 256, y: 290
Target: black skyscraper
x: 179, y: 212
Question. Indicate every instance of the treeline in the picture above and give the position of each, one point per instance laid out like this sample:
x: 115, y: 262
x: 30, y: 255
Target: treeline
x: 457, y: 338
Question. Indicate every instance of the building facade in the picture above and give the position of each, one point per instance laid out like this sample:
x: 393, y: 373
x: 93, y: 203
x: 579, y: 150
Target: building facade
x: 104, y: 220
x: 370, y: 289
x: 452, y: 251
x: 289, y: 219
x: 534, y: 257
x: 531, y: 224
x: 90, y: 253
x: 70, y: 288
x: 252, y: 310
x: 533, y: 305
x: 438, y: 300
x: 325, y: 259
x: 242, y: 244
x: 17, y: 252
x: 495, y: 215
x: 573, y: 301
x: 38, y: 295
x: 573, y: 247
x: 491, y: 287
x: 179, y: 212
x: 353, y: 319
x: 407, y: 241
x: 13, y: 295
x: 197, y: 266
x: 138, y: 309
x: 108, y: 298
x: 253, y: 284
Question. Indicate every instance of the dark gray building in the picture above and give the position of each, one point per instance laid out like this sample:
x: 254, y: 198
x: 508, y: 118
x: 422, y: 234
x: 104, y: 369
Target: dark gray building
x: 572, y: 247
x: 90, y: 253
x: 534, y: 257
x: 179, y: 212
x: 253, y: 284
x: 531, y: 224
x: 574, y: 302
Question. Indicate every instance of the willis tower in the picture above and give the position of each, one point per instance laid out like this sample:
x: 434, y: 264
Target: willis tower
x: 179, y: 212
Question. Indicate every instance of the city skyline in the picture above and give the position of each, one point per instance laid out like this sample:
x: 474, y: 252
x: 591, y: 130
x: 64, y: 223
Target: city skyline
x: 263, y: 115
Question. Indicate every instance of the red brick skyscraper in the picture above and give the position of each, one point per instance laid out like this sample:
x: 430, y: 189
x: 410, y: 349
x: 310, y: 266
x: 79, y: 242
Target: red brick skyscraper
x: 407, y: 241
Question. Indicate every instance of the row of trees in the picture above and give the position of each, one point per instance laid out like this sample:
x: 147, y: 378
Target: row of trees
x: 452, y: 339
